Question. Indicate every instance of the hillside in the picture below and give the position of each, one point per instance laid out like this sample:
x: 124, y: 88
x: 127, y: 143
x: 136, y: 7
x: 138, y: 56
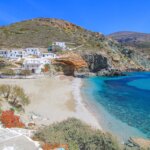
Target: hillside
x: 140, y: 41
x: 41, y: 32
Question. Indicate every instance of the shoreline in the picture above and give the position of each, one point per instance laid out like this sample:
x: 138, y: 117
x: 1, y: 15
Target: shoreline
x: 47, y: 106
x: 108, y: 122
x: 56, y: 99
x: 82, y: 112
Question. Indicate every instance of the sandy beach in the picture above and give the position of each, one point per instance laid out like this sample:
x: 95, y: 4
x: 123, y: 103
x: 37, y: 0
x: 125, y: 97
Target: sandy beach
x: 53, y: 100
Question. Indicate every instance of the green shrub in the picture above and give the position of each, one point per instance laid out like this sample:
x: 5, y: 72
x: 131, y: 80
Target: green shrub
x: 15, y: 95
x: 8, y: 72
x: 77, y: 135
x: 25, y: 72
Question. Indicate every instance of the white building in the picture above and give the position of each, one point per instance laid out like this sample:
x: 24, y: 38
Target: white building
x: 3, y: 53
x: 35, y: 64
x: 19, y: 54
x: 32, y: 51
x: 60, y: 44
x: 48, y: 55
x: 13, y: 54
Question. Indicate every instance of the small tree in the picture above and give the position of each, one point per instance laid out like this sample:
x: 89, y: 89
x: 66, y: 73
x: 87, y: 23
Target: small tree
x: 5, y: 90
x: 46, y: 67
x: 25, y: 72
x: 15, y: 95
x: 8, y: 72
x: 18, y: 96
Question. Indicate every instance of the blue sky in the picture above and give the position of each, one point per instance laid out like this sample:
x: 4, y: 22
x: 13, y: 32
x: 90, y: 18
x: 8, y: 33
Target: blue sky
x: 104, y: 16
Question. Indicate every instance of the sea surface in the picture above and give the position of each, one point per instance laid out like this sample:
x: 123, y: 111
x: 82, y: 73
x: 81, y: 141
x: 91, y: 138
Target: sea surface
x: 121, y: 104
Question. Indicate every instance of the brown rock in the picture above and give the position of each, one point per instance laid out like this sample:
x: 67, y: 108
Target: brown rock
x: 142, y: 143
x: 70, y: 63
x: 116, y: 58
x: 31, y: 124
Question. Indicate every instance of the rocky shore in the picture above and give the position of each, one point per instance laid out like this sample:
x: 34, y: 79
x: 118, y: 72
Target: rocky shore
x: 94, y: 64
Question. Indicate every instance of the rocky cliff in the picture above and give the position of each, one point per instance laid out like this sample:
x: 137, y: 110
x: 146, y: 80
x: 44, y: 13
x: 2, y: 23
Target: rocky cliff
x: 114, y: 56
x: 70, y: 64
x: 96, y: 62
x: 139, y: 42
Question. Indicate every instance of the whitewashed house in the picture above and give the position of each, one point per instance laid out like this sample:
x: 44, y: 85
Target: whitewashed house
x: 26, y: 53
x: 32, y: 51
x: 35, y: 64
x: 48, y: 55
x: 13, y: 54
x: 3, y: 53
x: 60, y: 44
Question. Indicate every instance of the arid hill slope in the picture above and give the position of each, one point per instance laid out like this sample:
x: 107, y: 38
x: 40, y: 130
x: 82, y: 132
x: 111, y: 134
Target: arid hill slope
x: 140, y: 41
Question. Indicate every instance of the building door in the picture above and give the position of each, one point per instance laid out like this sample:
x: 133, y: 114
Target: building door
x: 33, y: 70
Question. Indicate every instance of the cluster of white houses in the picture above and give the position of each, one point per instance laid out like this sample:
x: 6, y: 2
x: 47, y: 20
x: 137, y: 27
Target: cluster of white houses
x: 16, y: 54
x: 35, y: 64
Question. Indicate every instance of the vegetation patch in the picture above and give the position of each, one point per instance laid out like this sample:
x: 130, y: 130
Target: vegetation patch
x: 14, y: 95
x: 76, y: 135
x: 8, y: 72
x: 10, y: 120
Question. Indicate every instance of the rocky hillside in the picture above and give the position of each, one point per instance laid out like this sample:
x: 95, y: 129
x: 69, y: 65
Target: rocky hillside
x: 42, y: 31
x: 98, y: 51
x: 141, y: 41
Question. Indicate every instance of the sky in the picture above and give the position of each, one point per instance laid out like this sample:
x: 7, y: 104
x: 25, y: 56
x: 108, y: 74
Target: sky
x: 105, y: 16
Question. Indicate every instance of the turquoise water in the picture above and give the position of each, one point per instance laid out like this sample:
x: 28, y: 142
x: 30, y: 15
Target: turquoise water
x: 122, y: 104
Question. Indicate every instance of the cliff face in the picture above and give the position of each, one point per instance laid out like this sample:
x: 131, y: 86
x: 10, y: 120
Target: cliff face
x: 137, y: 57
x: 70, y: 63
x: 84, y: 64
x: 96, y: 62
x: 114, y: 56
x: 99, y: 62
x: 140, y: 42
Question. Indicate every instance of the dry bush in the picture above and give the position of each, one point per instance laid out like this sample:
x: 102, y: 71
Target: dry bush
x: 77, y: 135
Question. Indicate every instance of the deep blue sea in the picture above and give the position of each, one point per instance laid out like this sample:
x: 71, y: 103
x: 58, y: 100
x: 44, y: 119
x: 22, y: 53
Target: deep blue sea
x: 122, y: 104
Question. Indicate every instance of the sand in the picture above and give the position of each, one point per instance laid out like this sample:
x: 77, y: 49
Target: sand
x: 53, y: 100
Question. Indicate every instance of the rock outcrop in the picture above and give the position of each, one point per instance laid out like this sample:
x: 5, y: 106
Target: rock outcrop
x: 110, y: 72
x: 71, y: 64
x: 110, y: 63
x: 138, y: 143
x: 96, y: 61
x: 139, y: 41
